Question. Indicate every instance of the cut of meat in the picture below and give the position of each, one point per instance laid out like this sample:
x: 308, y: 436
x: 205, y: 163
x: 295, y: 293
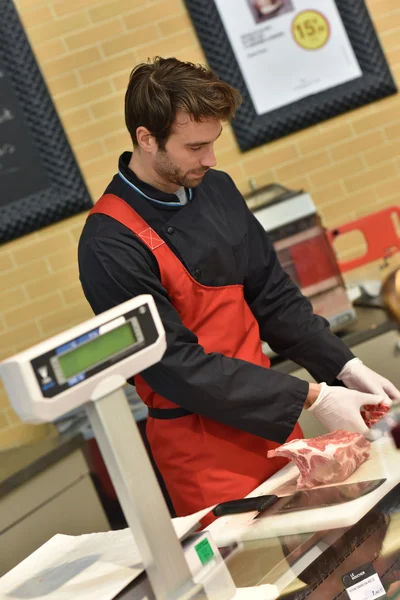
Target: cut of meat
x: 372, y: 413
x: 330, y: 458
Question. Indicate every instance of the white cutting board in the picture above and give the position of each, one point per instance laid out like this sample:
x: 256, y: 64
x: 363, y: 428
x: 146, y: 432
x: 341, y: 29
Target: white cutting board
x: 384, y: 462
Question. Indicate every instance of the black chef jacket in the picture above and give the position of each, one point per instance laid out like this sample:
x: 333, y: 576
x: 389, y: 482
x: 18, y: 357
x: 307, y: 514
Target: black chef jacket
x: 220, y: 242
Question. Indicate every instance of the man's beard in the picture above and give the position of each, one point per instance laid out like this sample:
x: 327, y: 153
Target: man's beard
x: 166, y: 169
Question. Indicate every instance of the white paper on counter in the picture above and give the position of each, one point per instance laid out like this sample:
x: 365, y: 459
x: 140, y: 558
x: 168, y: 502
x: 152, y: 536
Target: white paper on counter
x: 94, y: 566
x: 262, y: 592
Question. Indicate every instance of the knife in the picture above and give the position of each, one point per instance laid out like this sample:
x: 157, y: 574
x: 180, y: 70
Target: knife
x: 233, y: 507
x: 301, y: 500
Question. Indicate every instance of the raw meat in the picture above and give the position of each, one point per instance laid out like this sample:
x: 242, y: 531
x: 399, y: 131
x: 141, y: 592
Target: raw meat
x: 330, y: 458
x: 372, y: 413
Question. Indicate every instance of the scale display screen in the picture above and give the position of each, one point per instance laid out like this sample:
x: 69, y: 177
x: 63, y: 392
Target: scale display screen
x: 91, y: 353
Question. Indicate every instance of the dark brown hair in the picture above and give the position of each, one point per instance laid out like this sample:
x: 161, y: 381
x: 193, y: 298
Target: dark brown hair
x: 158, y: 89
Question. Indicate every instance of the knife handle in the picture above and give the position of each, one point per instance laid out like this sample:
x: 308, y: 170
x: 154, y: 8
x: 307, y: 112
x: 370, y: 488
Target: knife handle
x: 233, y: 507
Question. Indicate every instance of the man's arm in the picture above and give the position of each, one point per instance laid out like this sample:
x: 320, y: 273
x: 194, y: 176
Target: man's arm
x: 288, y: 324
x: 231, y: 391
x: 286, y: 319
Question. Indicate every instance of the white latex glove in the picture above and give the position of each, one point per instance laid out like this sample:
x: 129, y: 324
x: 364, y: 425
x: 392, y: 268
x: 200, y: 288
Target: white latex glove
x: 356, y: 376
x: 339, y: 408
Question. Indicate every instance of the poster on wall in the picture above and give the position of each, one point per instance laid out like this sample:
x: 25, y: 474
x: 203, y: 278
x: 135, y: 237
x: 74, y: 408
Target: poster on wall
x: 296, y: 62
x: 40, y: 181
x: 272, y: 42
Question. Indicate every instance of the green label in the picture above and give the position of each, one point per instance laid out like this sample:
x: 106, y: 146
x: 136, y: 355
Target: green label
x: 204, y: 551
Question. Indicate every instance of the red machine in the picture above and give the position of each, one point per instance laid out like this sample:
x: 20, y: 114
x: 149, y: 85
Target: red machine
x: 304, y: 250
x: 380, y: 234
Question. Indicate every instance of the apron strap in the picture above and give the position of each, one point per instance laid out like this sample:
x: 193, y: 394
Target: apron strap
x: 168, y: 413
x: 118, y: 209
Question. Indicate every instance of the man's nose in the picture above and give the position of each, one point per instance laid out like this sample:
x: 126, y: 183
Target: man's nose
x: 209, y: 159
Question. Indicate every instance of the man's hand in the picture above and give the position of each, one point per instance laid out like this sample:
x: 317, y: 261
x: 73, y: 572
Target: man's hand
x: 339, y: 408
x: 356, y: 376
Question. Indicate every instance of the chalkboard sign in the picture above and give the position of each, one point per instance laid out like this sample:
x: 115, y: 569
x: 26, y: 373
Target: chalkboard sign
x: 21, y: 173
x: 40, y: 181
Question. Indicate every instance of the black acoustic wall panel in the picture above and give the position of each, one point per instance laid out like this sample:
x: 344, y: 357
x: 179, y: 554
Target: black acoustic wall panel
x: 40, y: 181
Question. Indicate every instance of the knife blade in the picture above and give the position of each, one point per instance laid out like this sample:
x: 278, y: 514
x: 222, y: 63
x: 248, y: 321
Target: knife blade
x: 320, y: 497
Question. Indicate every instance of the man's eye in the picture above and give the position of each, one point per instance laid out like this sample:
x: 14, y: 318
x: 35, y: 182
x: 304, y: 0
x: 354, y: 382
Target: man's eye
x: 195, y: 148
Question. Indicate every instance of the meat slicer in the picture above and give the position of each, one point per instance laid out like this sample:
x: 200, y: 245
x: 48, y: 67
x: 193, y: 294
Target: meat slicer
x: 304, y: 251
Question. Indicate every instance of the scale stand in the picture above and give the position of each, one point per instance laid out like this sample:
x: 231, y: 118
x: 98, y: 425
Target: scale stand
x: 140, y: 496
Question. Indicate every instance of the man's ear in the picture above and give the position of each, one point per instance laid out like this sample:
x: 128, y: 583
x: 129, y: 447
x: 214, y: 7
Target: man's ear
x: 146, y: 141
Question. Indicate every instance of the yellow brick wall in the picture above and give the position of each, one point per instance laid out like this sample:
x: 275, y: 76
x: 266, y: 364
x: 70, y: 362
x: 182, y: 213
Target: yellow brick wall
x: 86, y: 49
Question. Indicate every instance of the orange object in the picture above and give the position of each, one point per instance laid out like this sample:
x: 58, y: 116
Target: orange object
x: 380, y: 235
x: 202, y: 462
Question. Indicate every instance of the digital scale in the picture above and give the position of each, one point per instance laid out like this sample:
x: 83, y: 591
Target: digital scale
x: 89, y: 365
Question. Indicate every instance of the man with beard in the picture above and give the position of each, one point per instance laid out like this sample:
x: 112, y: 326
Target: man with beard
x: 171, y: 226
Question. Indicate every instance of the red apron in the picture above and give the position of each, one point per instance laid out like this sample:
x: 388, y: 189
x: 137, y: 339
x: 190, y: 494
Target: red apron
x: 202, y: 462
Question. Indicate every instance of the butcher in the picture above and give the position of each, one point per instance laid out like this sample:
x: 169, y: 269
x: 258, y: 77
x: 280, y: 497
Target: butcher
x: 172, y: 226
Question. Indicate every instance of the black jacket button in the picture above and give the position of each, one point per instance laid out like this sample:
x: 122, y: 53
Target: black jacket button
x: 197, y: 273
x: 170, y: 230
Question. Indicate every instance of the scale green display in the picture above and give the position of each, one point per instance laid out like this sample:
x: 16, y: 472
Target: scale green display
x: 96, y: 351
